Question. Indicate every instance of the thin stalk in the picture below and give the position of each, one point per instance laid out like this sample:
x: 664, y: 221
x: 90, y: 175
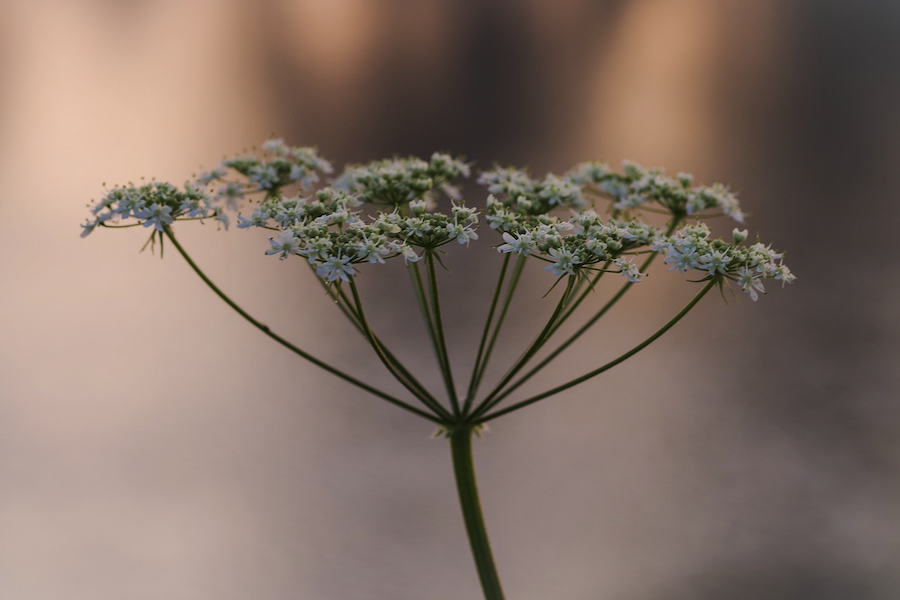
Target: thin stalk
x: 574, y: 305
x: 490, y: 400
x: 345, y: 304
x: 303, y: 354
x: 396, y: 369
x: 340, y: 298
x: 590, y: 323
x: 464, y: 471
x: 424, y: 308
x: 120, y: 226
x: 441, y: 346
x: 507, y: 301
x: 608, y: 365
x: 470, y: 393
x: 546, y: 360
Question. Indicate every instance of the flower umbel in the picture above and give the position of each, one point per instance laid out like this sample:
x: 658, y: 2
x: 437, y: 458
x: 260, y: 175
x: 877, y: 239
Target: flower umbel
x: 578, y: 226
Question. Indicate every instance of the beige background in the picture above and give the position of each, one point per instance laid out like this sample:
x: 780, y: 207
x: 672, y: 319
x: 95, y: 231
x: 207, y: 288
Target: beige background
x: 154, y: 446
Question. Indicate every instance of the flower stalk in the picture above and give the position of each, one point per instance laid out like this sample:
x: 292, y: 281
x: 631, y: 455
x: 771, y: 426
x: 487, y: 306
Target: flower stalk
x: 296, y: 350
x: 561, y: 388
x: 467, y: 488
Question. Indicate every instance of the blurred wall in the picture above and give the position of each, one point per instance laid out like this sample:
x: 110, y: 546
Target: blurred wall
x: 152, y: 445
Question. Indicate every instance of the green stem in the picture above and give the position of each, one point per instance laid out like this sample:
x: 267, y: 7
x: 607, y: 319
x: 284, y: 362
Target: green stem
x: 491, y: 400
x: 441, y: 345
x: 473, y: 382
x: 345, y: 302
x: 608, y: 365
x: 336, y: 293
x: 581, y: 330
x: 265, y: 329
x: 396, y: 369
x: 340, y: 299
x: 546, y: 360
x: 507, y: 301
x: 464, y: 471
x: 419, y: 289
x: 591, y: 286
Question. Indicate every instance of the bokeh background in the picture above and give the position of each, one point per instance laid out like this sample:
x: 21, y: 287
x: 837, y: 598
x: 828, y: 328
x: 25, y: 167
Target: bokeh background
x: 153, y: 445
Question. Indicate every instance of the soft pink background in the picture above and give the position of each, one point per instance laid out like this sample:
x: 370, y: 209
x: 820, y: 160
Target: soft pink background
x: 153, y: 445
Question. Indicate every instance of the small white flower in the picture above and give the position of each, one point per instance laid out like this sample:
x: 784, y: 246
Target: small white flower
x: 286, y: 244
x: 222, y: 218
x: 418, y: 227
x: 462, y: 234
x: 466, y: 214
x: 523, y: 244
x: 265, y: 177
x: 194, y: 207
x: 156, y: 216
x: 566, y: 261
x: 276, y: 146
x: 716, y: 262
x: 418, y: 207
x: 784, y: 274
x: 89, y: 226
x: 336, y: 267
x: 288, y: 216
x: 761, y: 254
x: 409, y: 254
x: 629, y: 270
x: 596, y: 247
x: 259, y: 218
x: 371, y: 249
x: 683, y: 258
x: 230, y: 193
x: 317, y: 248
x: 750, y: 283
x: 207, y: 177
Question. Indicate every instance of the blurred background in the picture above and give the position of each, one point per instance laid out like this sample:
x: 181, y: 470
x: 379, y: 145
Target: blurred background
x: 153, y: 445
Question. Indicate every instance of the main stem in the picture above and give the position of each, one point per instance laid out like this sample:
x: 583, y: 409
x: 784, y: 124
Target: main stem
x: 464, y: 470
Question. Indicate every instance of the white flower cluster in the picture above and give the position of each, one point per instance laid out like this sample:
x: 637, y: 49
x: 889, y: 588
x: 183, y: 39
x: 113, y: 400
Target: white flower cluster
x: 332, y: 236
x: 636, y: 186
x: 332, y: 228
x: 280, y: 166
x: 155, y: 205
x: 159, y: 204
x: 331, y: 231
x: 521, y: 212
x: 399, y: 181
x: 580, y: 242
x: 519, y: 194
x: 691, y: 248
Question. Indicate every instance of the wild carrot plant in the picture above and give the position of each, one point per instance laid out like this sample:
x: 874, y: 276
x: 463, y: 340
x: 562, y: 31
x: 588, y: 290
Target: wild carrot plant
x: 584, y: 228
